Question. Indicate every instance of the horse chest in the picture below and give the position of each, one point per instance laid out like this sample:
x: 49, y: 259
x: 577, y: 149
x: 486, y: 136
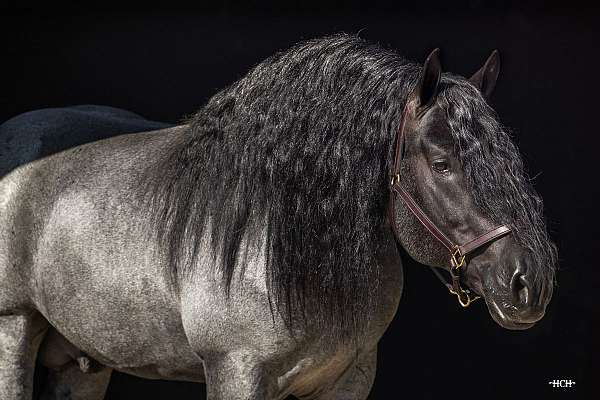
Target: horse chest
x: 244, y: 327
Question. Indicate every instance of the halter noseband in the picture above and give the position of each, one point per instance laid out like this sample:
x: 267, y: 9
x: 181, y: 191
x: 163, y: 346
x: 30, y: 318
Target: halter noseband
x: 457, y: 252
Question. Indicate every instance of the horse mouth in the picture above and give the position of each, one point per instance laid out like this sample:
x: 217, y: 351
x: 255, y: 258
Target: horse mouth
x: 508, y: 322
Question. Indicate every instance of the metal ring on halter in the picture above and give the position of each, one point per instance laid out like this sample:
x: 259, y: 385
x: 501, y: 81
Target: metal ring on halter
x: 470, y: 299
x: 457, y: 261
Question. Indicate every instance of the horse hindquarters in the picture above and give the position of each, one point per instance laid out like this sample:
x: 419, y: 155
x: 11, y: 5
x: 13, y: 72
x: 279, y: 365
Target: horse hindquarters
x: 20, y: 337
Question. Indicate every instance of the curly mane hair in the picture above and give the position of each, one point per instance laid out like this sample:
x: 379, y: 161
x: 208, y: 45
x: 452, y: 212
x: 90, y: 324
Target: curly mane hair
x: 298, y: 152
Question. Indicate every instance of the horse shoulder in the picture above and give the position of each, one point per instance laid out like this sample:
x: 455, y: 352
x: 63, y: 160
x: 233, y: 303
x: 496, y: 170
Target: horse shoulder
x: 87, y: 256
x: 240, y: 330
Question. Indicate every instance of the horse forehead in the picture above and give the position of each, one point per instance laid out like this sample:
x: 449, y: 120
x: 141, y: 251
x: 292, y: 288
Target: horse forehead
x: 433, y: 126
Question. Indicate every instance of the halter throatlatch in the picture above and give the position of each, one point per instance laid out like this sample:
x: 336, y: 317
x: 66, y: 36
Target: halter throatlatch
x: 458, y: 253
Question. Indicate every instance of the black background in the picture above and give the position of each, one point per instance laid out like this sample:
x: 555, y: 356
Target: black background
x: 165, y: 64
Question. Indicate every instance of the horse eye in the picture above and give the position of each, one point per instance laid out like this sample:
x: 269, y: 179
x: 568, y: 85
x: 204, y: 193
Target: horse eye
x: 440, y: 166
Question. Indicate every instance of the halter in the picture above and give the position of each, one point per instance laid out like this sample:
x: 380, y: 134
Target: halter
x: 458, y: 253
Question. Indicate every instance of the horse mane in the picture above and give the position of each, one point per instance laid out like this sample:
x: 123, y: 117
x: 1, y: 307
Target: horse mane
x: 298, y: 152
x: 299, y: 149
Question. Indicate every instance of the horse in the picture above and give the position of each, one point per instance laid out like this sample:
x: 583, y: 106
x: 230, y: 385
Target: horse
x: 255, y: 247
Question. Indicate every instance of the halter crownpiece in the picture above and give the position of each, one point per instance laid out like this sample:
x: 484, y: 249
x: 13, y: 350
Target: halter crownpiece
x: 458, y: 253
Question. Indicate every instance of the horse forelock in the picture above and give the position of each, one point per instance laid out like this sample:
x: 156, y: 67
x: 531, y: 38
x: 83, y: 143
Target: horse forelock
x: 495, y: 172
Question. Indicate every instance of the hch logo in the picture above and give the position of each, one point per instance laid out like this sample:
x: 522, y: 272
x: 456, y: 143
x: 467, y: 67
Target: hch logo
x: 563, y: 383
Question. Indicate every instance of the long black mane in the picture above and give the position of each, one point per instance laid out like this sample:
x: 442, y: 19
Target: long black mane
x: 299, y: 149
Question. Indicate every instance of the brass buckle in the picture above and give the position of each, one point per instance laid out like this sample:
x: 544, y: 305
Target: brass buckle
x: 457, y: 261
x: 395, y: 178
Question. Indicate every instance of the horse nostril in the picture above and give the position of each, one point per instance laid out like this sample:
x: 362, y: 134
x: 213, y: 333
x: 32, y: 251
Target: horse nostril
x: 520, y: 288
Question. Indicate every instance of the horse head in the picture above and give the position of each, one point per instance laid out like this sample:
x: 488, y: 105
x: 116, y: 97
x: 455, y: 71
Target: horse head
x: 461, y: 172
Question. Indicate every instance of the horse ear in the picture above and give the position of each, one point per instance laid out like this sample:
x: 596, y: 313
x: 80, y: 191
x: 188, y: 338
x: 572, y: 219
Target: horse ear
x: 485, y: 78
x: 429, y: 79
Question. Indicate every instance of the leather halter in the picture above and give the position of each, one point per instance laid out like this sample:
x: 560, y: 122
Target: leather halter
x: 457, y: 252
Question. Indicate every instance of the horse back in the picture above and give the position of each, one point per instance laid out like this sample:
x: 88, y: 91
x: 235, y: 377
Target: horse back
x: 40, y: 133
